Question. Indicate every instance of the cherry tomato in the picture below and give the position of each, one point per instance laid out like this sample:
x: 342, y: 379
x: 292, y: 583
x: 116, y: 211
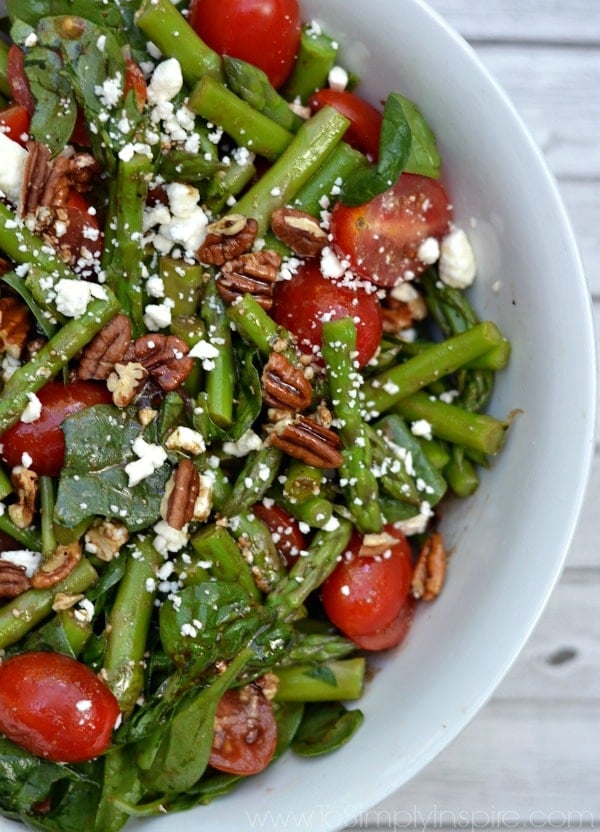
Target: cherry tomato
x: 80, y: 134
x: 288, y: 538
x: 82, y: 228
x: 394, y: 633
x: 302, y: 303
x: 365, y: 594
x: 43, y: 439
x: 7, y: 543
x: 17, y: 80
x: 55, y: 707
x: 245, y: 732
x: 265, y: 33
x: 14, y: 122
x: 365, y: 120
x: 381, y: 238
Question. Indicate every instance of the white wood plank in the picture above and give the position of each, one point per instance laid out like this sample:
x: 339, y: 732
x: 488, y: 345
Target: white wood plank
x: 561, y: 660
x: 577, y: 21
x: 556, y: 92
x: 529, y: 763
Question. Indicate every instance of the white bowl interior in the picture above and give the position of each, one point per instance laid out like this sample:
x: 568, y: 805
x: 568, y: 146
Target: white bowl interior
x: 510, y: 539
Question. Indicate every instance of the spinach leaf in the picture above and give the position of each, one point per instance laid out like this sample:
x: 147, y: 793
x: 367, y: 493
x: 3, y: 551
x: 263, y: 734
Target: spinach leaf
x: 249, y: 396
x: 117, y: 17
x: 56, y: 109
x: 120, y: 781
x: 326, y: 727
x: 94, y: 482
x: 406, y: 144
x: 26, y: 779
x: 75, y: 811
x: 288, y: 716
x: 18, y: 285
x: 323, y: 674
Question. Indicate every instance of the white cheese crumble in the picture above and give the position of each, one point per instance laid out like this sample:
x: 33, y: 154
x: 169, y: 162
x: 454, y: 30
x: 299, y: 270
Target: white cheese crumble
x: 14, y: 158
x: 150, y: 459
x: 73, y: 296
x: 247, y: 442
x: 169, y: 539
x: 166, y: 81
x: 457, y: 261
x: 421, y: 428
x: 24, y: 557
x: 33, y: 410
x: 186, y: 439
x: 338, y: 78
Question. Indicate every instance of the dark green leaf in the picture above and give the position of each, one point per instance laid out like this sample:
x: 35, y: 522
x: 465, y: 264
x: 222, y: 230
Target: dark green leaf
x: 326, y: 727
x: 94, y: 482
x: 396, y: 140
x: 323, y: 674
x: 56, y: 109
x: 288, y: 716
x: 424, y: 157
x: 250, y: 397
x: 120, y: 781
x: 18, y: 284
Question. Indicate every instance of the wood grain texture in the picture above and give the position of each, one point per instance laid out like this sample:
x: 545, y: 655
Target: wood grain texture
x: 530, y: 760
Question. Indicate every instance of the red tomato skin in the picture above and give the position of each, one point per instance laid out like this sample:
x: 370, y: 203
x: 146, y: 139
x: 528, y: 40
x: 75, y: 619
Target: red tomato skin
x: 245, y: 732
x: 134, y: 80
x: 290, y: 540
x: 381, y: 238
x: 365, y: 120
x: 14, y: 123
x: 364, y: 594
x: 265, y: 33
x: 55, y: 707
x: 83, y: 228
x: 393, y: 634
x: 299, y: 305
x: 44, y: 439
x: 17, y: 80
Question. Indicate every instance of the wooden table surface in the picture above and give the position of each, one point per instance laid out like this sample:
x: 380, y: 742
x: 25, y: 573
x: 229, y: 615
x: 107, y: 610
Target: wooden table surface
x: 531, y: 758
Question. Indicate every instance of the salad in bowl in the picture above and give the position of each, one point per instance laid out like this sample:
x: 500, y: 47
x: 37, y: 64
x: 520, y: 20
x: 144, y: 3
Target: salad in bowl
x: 243, y: 376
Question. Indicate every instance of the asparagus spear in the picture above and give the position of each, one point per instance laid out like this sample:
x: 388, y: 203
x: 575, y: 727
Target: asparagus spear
x: 327, y: 682
x: 316, y: 56
x: 254, y: 480
x: 360, y: 485
x: 220, y: 380
x: 252, y: 85
x: 22, y: 246
x: 129, y: 624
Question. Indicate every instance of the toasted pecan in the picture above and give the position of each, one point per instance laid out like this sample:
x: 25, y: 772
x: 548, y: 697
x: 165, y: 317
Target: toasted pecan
x: 181, y: 495
x: 106, y: 349
x: 430, y: 569
x: 306, y: 440
x: 58, y: 566
x: 227, y: 238
x: 165, y: 357
x: 254, y: 273
x: 13, y: 579
x: 15, y: 325
x: 299, y: 231
x: 285, y: 386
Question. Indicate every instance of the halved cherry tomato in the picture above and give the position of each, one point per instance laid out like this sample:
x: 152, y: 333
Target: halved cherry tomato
x: 381, y: 238
x: 365, y: 120
x: 44, y: 439
x: 55, y: 707
x: 265, y: 33
x: 134, y: 80
x: 17, y: 80
x: 304, y: 302
x: 82, y: 228
x: 14, y: 122
x: 394, y: 633
x: 287, y: 536
x: 7, y: 543
x: 245, y: 732
x: 364, y: 595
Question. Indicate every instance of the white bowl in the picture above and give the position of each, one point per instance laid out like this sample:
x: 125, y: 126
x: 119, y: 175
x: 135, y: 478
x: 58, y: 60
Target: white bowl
x: 509, y: 541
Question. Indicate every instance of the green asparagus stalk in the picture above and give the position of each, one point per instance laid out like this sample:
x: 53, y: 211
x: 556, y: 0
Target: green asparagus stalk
x: 129, y: 624
x: 22, y: 246
x: 22, y: 614
x: 313, y: 143
x: 122, y: 257
x: 254, y: 480
x: 359, y: 482
x: 310, y: 570
x: 335, y: 169
x: 5, y: 485
x: 314, y: 510
x: 256, y: 542
x: 328, y: 682
x: 183, y: 284
x: 228, y: 183
x: 165, y: 26
x: 252, y: 85
x: 52, y: 357
x: 386, y: 389
x: 47, y: 512
x: 258, y: 328
x: 453, y: 424
x: 181, y: 166
x: 220, y: 381
x: 28, y: 538
x: 316, y: 56
x: 249, y: 128
x: 460, y: 473
x: 302, y: 481
x: 215, y: 545
x: 318, y: 647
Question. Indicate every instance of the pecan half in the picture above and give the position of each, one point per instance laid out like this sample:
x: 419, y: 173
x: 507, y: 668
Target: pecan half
x: 58, y: 566
x: 13, y: 580
x: 15, y: 323
x: 285, y: 386
x: 306, y: 440
x: 374, y: 545
x: 401, y: 308
x: 58, y: 184
x: 182, y: 492
x: 26, y: 484
x: 35, y: 176
x: 105, y: 350
x: 165, y: 357
x: 84, y: 171
x: 253, y: 274
x: 430, y: 569
x: 227, y: 238
x: 299, y: 231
